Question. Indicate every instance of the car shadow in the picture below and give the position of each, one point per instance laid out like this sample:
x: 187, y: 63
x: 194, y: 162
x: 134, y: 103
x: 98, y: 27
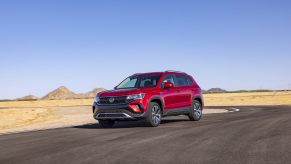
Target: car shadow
x: 129, y: 124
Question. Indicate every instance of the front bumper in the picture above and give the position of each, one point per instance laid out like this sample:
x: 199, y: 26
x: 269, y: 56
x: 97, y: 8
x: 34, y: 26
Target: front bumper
x: 115, y: 112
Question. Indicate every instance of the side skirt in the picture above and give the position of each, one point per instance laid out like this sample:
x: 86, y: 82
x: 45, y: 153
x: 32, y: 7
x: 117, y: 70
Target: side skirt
x: 177, y: 111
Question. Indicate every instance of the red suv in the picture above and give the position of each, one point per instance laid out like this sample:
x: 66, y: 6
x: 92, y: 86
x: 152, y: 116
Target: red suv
x: 150, y: 96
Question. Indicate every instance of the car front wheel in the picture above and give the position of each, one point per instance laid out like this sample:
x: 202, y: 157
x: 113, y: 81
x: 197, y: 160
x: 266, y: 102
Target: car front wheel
x: 154, y: 115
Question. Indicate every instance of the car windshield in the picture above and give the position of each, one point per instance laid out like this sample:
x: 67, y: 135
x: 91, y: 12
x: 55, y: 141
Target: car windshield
x: 140, y: 81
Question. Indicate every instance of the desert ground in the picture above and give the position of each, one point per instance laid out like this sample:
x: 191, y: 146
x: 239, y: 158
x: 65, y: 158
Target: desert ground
x: 248, y: 98
x: 16, y: 116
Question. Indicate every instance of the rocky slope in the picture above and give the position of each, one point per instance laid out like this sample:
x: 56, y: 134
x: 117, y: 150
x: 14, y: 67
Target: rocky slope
x: 63, y: 92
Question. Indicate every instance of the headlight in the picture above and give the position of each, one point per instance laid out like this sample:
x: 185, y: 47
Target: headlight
x: 96, y: 99
x: 135, y: 96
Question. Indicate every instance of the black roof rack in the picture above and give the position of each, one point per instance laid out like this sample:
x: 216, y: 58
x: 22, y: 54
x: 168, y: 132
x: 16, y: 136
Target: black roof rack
x: 174, y: 71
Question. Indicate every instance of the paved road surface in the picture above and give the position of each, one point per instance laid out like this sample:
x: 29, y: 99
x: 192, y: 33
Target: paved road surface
x: 254, y: 135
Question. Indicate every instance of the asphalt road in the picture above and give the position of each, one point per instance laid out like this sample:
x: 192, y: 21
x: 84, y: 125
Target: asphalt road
x: 254, y: 135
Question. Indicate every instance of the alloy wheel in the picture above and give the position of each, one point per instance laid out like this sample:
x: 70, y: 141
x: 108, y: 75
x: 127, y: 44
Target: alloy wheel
x: 197, y: 110
x: 156, y: 114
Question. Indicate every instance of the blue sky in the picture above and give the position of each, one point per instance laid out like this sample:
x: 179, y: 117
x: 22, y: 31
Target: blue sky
x: 86, y: 44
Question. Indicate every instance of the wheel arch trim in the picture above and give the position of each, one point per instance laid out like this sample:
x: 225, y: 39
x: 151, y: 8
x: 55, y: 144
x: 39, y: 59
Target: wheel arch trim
x: 200, y: 99
x: 162, y: 103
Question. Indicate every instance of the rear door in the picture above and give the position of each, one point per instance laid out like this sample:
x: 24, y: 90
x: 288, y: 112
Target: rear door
x: 184, y: 90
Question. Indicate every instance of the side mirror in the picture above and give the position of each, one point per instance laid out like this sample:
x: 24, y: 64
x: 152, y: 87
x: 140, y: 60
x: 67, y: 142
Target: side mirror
x: 168, y: 85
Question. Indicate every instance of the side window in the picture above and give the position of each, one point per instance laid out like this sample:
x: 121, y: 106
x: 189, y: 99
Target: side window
x: 182, y: 80
x: 189, y: 80
x: 168, y: 78
x: 149, y: 81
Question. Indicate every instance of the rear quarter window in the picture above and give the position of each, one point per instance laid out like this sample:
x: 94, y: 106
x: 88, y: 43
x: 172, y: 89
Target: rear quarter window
x: 189, y: 80
x: 182, y: 80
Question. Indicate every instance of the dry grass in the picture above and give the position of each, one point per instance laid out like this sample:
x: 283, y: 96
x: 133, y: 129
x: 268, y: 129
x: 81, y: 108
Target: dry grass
x: 18, y: 114
x: 252, y: 98
x: 46, y: 103
x: 16, y: 118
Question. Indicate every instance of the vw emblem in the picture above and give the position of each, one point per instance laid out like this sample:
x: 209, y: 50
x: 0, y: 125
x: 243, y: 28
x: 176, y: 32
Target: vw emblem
x: 111, y: 99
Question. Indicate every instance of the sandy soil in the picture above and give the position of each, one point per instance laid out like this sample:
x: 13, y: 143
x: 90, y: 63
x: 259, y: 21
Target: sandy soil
x: 18, y: 118
x: 247, y: 99
x: 26, y: 119
x: 46, y: 103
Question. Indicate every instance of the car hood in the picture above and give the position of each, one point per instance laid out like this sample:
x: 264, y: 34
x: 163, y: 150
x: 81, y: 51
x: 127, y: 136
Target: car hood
x: 120, y: 92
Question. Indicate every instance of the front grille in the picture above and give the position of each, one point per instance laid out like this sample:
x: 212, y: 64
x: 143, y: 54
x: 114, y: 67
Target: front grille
x: 116, y: 100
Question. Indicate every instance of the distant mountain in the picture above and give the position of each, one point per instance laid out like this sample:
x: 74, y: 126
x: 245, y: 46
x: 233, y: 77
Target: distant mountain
x: 60, y: 94
x: 63, y: 92
x: 91, y: 94
x: 216, y: 90
x: 27, y: 98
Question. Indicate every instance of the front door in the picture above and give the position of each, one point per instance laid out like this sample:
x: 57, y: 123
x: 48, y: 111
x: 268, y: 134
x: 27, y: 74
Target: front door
x: 171, y: 95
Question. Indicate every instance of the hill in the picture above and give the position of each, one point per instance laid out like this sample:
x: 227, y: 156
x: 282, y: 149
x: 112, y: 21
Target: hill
x: 60, y: 94
x: 215, y: 90
x: 91, y: 93
x: 63, y: 93
x: 27, y: 98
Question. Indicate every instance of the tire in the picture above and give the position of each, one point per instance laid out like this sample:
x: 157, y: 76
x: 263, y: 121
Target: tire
x: 195, y: 111
x: 154, y: 115
x: 106, y: 123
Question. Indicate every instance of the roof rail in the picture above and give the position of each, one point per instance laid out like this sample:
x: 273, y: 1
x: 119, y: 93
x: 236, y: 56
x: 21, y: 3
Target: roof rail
x: 174, y: 71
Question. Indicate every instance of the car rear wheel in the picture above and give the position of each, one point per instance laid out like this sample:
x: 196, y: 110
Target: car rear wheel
x: 106, y: 123
x: 154, y: 115
x: 196, y: 111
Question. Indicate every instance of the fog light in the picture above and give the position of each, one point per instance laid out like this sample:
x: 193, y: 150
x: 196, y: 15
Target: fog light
x: 135, y: 108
